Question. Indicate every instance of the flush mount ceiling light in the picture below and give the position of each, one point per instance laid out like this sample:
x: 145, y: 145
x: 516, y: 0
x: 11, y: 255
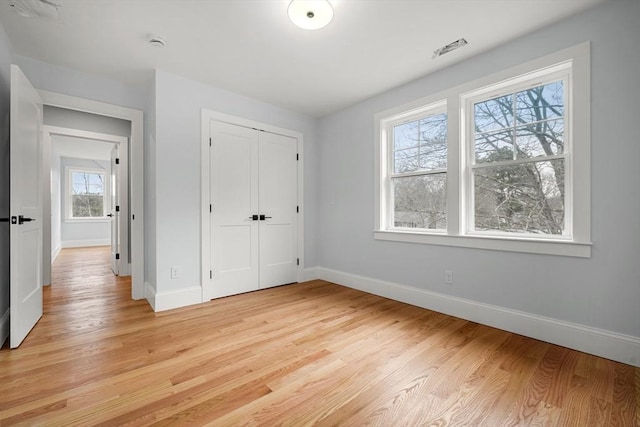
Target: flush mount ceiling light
x: 451, y: 46
x: 310, y: 14
x: 43, y: 9
x: 157, y: 41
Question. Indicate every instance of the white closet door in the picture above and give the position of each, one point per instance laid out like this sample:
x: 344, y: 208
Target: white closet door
x: 234, y: 199
x: 278, y: 203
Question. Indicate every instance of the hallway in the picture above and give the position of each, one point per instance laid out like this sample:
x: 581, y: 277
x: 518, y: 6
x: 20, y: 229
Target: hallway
x: 84, y: 293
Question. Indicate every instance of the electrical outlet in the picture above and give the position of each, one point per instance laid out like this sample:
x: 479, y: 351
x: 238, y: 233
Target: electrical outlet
x: 448, y: 277
x: 175, y: 272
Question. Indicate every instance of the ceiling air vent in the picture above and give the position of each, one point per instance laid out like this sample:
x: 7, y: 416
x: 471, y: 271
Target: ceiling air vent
x: 448, y: 48
x: 43, y: 9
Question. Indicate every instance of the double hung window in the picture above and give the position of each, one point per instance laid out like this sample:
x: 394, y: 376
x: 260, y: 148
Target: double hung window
x: 86, y: 194
x: 418, y: 175
x: 498, y: 163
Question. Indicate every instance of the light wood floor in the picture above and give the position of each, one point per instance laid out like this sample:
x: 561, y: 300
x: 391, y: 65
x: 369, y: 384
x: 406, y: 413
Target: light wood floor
x: 310, y: 353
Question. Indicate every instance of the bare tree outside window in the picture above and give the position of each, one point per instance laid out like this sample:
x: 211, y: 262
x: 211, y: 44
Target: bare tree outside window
x: 518, y: 176
x: 419, y: 183
x: 87, y: 194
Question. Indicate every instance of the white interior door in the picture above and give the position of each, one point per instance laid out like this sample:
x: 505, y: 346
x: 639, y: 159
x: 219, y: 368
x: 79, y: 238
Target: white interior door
x: 26, y: 207
x: 278, y: 205
x: 234, y: 202
x: 114, y: 211
x: 254, y: 185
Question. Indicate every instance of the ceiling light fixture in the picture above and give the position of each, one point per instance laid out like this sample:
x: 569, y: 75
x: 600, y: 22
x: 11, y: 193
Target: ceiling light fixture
x: 310, y: 14
x: 448, y: 48
x: 157, y: 41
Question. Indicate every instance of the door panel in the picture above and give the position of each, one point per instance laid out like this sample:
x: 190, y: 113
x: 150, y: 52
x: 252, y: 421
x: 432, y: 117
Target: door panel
x: 278, y: 200
x: 114, y: 213
x: 234, y: 199
x: 26, y: 207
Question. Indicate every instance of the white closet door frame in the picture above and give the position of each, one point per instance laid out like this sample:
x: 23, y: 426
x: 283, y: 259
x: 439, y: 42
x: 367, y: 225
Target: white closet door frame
x: 205, y: 236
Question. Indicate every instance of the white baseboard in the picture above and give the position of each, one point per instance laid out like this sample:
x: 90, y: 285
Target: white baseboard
x: 175, y: 299
x: 55, y: 252
x: 85, y: 243
x: 312, y: 273
x: 4, y: 327
x: 607, y: 344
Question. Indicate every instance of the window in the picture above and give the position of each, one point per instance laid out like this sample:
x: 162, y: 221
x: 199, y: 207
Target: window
x: 418, y: 170
x: 86, y: 194
x: 518, y: 164
x: 498, y: 163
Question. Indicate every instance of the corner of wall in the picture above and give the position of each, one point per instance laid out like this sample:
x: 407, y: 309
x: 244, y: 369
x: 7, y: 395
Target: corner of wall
x: 150, y: 295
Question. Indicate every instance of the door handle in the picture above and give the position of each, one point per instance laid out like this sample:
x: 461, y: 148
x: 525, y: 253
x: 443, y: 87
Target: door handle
x: 254, y: 217
x: 109, y: 215
x: 262, y: 217
x: 22, y: 219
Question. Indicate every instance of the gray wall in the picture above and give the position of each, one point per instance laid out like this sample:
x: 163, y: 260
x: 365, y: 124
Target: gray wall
x: 601, y: 292
x: 72, y: 119
x: 68, y: 81
x: 5, y: 83
x: 178, y: 104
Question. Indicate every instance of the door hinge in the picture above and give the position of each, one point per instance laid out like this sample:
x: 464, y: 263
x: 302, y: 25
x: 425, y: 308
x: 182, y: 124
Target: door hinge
x: 209, y: 142
x: 117, y: 208
x: 298, y: 261
x: 210, y: 274
x: 297, y: 209
x: 210, y: 208
x: 297, y: 156
x: 117, y: 256
x: 117, y: 161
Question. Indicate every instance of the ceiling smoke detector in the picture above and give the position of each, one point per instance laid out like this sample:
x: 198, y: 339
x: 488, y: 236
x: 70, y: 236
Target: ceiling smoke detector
x: 157, y: 41
x: 448, y: 48
x: 43, y: 9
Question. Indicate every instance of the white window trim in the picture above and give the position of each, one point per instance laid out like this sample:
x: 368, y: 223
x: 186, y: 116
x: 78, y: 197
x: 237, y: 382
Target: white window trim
x: 69, y: 192
x: 578, y: 244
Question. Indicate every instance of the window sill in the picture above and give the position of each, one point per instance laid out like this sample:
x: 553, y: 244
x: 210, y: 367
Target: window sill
x: 510, y: 244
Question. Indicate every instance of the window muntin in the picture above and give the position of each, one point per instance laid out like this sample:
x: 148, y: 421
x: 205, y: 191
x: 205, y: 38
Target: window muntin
x: 518, y: 166
x: 86, y: 194
x: 418, y: 170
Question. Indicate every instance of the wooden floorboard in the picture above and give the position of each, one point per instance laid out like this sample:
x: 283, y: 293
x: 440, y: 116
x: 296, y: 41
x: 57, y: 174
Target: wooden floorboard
x: 313, y: 353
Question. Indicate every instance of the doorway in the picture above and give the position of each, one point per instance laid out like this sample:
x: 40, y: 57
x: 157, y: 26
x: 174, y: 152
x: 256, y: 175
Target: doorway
x: 135, y: 217
x: 88, y: 194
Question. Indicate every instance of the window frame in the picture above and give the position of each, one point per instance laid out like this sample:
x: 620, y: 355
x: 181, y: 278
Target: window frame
x: 69, y: 170
x: 574, y: 63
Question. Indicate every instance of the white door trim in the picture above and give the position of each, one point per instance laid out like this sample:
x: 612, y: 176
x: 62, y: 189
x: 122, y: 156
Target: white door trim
x: 136, y: 177
x: 123, y: 179
x: 205, y: 235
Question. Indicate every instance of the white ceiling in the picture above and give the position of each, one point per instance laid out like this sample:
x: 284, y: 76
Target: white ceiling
x: 250, y: 47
